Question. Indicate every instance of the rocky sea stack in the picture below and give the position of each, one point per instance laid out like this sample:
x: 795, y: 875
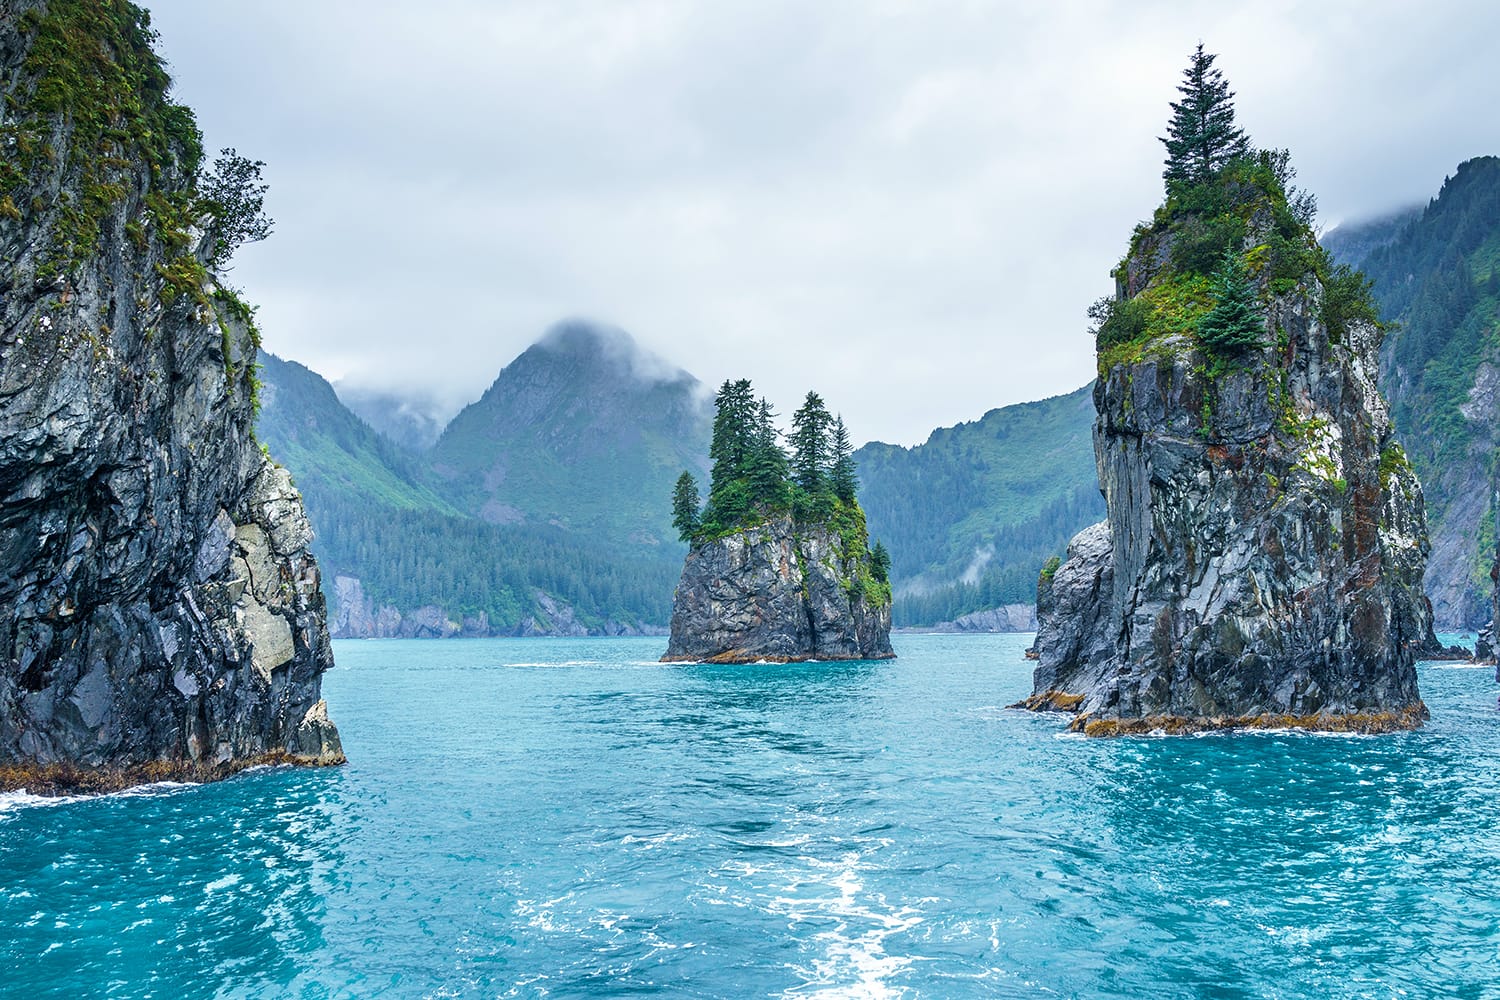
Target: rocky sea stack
x: 1261, y: 564
x: 780, y: 567
x: 160, y: 614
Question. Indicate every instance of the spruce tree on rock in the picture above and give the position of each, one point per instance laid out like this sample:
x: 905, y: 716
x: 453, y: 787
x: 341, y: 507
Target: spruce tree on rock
x: 842, y: 477
x: 880, y: 563
x: 733, y: 440
x: 810, y: 449
x: 685, y: 503
x: 1202, y: 136
x: 766, y: 464
x: 1235, y: 323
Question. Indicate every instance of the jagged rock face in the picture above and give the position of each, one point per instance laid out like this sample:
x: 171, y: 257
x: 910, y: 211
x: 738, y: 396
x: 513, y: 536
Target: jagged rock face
x: 775, y: 592
x: 1073, y: 620
x: 1484, y: 643
x: 1260, y: 561
x: 160, y: 613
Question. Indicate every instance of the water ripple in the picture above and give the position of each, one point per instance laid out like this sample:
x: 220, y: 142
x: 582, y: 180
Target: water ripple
x: 571, y: 819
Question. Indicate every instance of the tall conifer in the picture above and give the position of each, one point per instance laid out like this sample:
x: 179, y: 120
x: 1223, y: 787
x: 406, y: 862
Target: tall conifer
x: 1202, y: 135
x: 842, y: 477
x: 685, y: 507
x: 810, y: 458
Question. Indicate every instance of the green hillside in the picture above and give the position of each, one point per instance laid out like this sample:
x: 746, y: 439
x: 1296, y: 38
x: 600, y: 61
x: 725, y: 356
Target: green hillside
x: 972, y: 514
x: 335, y: 457
x: 377, y: 519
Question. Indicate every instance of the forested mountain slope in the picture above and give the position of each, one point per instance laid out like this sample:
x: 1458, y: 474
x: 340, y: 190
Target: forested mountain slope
x: 1437, y: 282
x: 401, y: 560
x: 586, y: 431
x: 971, y: 515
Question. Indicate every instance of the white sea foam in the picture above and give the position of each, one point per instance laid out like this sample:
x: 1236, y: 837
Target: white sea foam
x: 226, y: 882
x: 855, y: 962
x: 15, y: 801
x: 22, y: 799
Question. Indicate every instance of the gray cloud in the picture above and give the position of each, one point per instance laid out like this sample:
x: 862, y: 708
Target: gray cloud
x: 906, y: 206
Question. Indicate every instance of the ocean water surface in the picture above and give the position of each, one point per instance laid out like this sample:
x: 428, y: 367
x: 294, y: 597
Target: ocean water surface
x: 568, y: 818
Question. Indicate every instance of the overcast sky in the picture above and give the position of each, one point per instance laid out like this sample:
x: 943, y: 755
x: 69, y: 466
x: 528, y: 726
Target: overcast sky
x: 907, y: 206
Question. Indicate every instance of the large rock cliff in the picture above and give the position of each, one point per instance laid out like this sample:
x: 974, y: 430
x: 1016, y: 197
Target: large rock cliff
x: 160, y: 614
x: 1262, y: 559
x: 780, y: 592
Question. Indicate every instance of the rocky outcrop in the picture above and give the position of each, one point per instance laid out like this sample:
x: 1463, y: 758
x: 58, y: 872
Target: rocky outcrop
x: 1485, y: 645
x: 778, y: 592
x: 1262, y: 560
x: 160, y: 613
x: 1074, y: 639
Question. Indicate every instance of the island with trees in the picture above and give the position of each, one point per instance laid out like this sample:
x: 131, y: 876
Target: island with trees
x: 1261, y: 562
x: 779, y: 566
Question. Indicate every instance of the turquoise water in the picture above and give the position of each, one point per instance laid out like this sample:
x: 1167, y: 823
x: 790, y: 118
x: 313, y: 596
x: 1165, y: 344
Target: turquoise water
x: 570, y: 819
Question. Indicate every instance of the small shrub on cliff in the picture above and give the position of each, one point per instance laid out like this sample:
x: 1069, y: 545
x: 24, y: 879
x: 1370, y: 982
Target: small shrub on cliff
x: 1234, y: 324
x: 1347, y: 299
x: 1119, y: 321
x: 234, y: 196
x: 1049, y: 569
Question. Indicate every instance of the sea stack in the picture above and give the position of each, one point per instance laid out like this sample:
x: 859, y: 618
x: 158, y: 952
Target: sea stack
x: 160, y: 614
x: 1261, y: 564
x: 1485, y: 643
x: 779, y: 567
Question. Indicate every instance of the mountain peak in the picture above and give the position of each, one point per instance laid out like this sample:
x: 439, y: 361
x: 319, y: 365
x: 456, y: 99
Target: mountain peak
x: 586, y: 343
x: 586, y: 337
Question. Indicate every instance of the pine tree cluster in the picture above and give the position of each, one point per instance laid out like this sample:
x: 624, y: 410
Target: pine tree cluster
x: 754, y: 477
x: 1232, y: 232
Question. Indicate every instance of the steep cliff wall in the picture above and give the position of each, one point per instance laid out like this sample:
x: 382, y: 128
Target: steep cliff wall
x: 1263, y: 555
x: 160, y: 613
x: 779, y: 592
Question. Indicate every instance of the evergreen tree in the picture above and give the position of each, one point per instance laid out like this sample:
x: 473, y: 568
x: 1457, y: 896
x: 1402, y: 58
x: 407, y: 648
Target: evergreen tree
x: 733, y: 440
x: 685, y: 505
x: 1202, y: 135
x: 842, y: 477
x: 1234, y: 323
x: 766, y: 466
x: 810, y: 447
x: 880, y: 563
